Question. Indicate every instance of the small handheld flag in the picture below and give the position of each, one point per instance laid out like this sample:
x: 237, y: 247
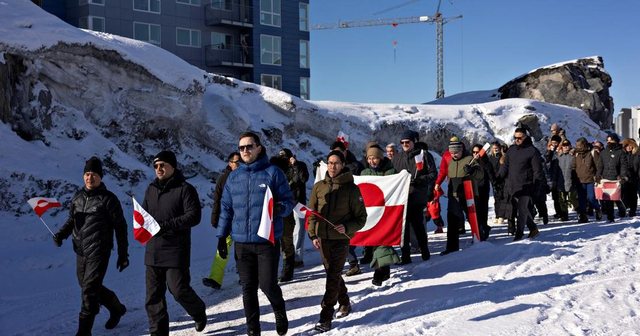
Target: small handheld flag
x: 266, y: 229
x: 144, y: 225
x: 419, y: 160
x: 41, y: 204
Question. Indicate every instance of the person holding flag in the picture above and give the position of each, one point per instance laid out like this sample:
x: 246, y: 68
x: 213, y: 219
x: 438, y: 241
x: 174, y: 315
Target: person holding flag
x: 339, y: 212
x: 420, y: 164
x: 242, y: 209
x: 94, y: 216
x: 479, y: 154
x: 175, y: 205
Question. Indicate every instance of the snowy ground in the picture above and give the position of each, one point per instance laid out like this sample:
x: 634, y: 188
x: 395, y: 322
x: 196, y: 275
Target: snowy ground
x: 573, y: 279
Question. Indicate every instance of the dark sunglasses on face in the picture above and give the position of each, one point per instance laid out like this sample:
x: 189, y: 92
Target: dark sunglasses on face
x: 247, y: 148
x: 476, y: 152
x: 405, y: 142
x: 517, y: 138
x: 158, y: 165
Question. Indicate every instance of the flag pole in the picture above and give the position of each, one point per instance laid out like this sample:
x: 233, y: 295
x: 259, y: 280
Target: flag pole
x: 335, y: 227
x: 45, y: 224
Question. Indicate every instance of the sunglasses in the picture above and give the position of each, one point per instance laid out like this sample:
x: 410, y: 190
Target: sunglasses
x: 476, y: 152
x: 517, y: 138
x: 405, y: 142
x: 158, y: 166
x: 246, y: 148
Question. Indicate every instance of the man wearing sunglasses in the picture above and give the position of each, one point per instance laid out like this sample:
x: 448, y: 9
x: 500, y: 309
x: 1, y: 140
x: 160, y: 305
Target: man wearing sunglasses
x: 175, y: 204
x: 240, y: 214
x: 522, y: 170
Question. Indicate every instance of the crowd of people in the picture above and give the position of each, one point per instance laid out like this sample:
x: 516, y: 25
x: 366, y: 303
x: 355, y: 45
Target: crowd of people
x: 519, y: 177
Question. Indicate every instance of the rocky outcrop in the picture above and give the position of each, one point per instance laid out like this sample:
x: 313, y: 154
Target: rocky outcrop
x: 581, y: 83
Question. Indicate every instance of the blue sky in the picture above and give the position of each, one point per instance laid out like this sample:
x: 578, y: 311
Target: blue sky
x: 496, y: 41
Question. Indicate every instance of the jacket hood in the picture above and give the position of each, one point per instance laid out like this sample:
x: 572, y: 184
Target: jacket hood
x: 344, y: 177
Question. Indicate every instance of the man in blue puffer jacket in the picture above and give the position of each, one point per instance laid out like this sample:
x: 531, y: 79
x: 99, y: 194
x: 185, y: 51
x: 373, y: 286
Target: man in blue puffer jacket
x: 241, y: 210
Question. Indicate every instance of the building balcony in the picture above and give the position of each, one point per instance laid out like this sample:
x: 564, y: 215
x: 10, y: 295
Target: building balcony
x: 231, y: 55
x: 228, y: 13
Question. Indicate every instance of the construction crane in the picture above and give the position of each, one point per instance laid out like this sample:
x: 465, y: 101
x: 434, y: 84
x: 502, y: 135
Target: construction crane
x: 436, y: 18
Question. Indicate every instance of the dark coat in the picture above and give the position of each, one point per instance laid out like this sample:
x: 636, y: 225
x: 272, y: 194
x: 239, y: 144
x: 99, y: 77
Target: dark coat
x: 613, y: 166
x: 355, y: 166
x: 522, y: 169
x: 422, y: 181
x: 176, y: 206
x: 586, y: 164
x: 93, y: 218
x: 384, y: 168
x: 297, y: 176
x: 217, y: 195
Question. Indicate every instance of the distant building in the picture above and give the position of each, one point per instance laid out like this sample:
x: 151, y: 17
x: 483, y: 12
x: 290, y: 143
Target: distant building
x: 627, y: 123
x: 260, y: 41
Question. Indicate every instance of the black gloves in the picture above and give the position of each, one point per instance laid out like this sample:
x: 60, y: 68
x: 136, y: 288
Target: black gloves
x: 123, y: 262
x: 469, y: 169
x: 57, y: 240
x: 222, y: 247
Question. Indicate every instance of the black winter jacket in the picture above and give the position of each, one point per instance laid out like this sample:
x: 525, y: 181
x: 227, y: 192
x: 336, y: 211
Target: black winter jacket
x: 93, y: 218
x: 422, y: 181
x: 297, y: 176
x: 217, y: 196
x: 176, y: 207
x: 522, y: 169
x: 613, y: 165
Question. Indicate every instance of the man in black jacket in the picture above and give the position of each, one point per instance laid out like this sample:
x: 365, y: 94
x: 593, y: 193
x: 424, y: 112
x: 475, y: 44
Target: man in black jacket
x: 612, y: 167
x: 522, y: 170
x: 94, y: 216
x: 174, y: 203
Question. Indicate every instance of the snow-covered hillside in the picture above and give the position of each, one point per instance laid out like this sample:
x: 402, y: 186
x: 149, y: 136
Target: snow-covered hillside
x: 76, y: 93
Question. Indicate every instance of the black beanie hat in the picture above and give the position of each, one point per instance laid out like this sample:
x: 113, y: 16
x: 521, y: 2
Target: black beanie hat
x: 410, y: 135
x: 336, y: 153
x: 166, y: 156
x: 93, y: 165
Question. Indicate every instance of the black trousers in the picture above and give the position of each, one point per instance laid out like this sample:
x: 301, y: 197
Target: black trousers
x: 415, y: 218
x: 334, y: 254
x: 258, y: 268
x: 482, y: 209
x: 90, y: 273
x: 521, y: 203
x: 455, y: 218
x: 178, y: 281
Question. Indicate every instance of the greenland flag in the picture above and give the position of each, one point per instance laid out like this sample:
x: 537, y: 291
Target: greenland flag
x: 41, y: 204
x: 484, y: 149
x: 419, y: 160
x: 608, y: 190
x: 144, y: 226
x: 385, y: 198
x: 266, y: 230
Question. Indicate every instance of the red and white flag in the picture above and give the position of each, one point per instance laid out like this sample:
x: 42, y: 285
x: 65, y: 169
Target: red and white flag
x: 144, y: 225
x: 419, y: 160
x: 385, y: 198
x: 301, y: 211
x: 484, y: 149
x: 266, y: 229
x: 41, y: 204
x: 608, y: 190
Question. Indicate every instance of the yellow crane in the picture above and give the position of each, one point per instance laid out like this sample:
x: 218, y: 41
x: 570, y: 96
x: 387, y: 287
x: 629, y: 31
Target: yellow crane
x: 436, y: 18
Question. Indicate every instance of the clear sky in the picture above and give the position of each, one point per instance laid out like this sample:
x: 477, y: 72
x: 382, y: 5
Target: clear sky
x: 496, y: 41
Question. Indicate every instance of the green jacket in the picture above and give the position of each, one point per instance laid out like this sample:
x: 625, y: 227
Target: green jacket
x: 385, y: 168
x: 457, y: 176
x: 339, y: 200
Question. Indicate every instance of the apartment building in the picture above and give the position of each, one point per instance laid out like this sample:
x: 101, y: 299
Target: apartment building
x: 260, y: 41
x: 627, y: 123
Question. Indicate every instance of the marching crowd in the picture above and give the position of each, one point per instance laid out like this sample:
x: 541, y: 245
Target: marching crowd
x: 519, y: 176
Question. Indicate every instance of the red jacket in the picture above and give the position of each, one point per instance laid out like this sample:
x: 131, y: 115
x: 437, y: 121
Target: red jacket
x: 444, y: 167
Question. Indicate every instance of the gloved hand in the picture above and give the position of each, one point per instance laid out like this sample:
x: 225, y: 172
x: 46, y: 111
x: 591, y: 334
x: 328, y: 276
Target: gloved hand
x: 57, y: 240
x: 123, y: 262
x: 222, y: 247
x: 469, y: 169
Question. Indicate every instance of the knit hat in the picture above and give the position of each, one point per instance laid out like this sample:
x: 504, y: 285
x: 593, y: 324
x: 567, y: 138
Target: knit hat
x: 455, y: 145
x: 371, y: 144
x: 336, y: 153
x: 614, y: 137
x: 556, y: 138
x: 166, y: 156
x: 93, y: 165
x: 375, y: 151
x: 409, y: 135
x: 285, y: 153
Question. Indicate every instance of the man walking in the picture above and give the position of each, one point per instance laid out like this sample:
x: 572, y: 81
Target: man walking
x: 240, y: 214
x: 94, y: 216
x: 175, y: 204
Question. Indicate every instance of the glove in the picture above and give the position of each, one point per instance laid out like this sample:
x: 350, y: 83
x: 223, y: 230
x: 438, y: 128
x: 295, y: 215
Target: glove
x: 123, y: 262
x: 222, y: 247
x: 57, y: 240
x: 469, y: 169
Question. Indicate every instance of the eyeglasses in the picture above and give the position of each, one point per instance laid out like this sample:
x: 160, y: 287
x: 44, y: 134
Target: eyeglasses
x: 405, y: 142
x: 334, y: 163
x: 517, y: 138
x: 158, y: 166
x: 247, y: 148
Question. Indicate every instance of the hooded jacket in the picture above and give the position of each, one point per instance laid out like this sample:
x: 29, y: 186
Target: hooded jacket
x: 384, y: 168
x: 243, y: 197
x: 338, y: 200
x: 175, y: 204
x: 93, y: 218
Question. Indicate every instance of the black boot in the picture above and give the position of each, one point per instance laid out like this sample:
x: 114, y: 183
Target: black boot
x: 282, y: 323
x: 85, y: 324
x: 287, y: 269
x: 116, y: 315
x: 368, y: 255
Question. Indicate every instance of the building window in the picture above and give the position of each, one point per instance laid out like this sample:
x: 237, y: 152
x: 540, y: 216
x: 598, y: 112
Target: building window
x: 188, y: 37
x: 270, y: 12
x: 221, y: 41
x: 304, y: 54
x: 304, y: 16
x: 304, y: 87
x: 270, y: 50
x: 221, y: 4
x: 273, y: 81
x: 146, y: 32
x: 95, y: 23
x: 152, y: 6
x: 189, y: 2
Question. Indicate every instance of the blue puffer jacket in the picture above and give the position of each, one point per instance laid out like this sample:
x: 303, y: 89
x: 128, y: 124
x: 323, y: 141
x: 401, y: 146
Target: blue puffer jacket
x: 243, y: 196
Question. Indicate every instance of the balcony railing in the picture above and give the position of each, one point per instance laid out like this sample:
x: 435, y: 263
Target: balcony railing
x: 229, y: 55
x: 221, y: 12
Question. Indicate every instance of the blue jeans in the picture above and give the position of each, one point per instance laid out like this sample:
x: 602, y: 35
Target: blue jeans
x: 586, y: 193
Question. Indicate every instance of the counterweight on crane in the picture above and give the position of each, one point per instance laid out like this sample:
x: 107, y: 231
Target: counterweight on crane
x: 437, y: 19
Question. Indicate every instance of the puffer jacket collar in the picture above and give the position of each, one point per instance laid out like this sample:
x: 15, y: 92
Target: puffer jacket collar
x: 344, y: 177
x: 260, y: 163
x: 175, y: 180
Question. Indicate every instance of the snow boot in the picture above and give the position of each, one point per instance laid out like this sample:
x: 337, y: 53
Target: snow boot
x: 85, y: 324
x: 211, y: 283
x: 322, y: 326
x: 201, y: 322
x: 354, y: 270
x: 282, y: 323
x: 343, y: 310
x: 116, y: 315
x: 582, y: 218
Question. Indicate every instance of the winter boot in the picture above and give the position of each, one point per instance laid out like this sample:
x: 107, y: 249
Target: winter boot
x: 85, y: 324
x: 343, y: 310
x: 201, y: 322
x: 354, y: 270
x: 211, y: 283
x: 322, y: 326
x: 426, y: 255
x: 598, y: 214
x: 282, y: 323
x: 533, y: 233
x: 287, y: 269
x: 582, y: 218
x: 116, y: 315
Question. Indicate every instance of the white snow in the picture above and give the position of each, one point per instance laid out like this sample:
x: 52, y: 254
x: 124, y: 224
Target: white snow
x: 571, y: 280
